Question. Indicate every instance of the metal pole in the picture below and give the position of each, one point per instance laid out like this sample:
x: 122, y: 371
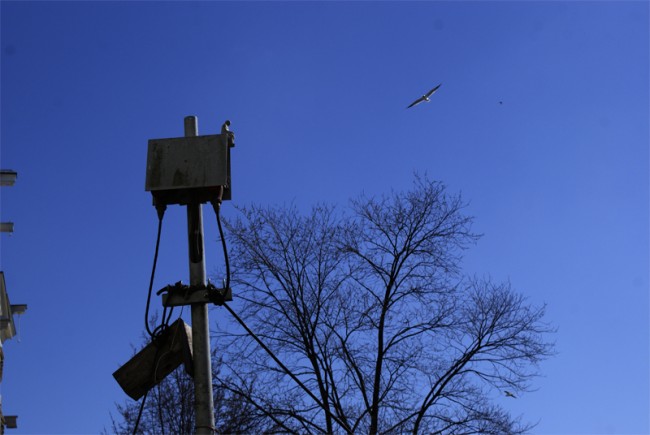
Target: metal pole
x: 203, y: 402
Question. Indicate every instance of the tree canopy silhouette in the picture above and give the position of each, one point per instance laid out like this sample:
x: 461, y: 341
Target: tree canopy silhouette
x: 369, y: 309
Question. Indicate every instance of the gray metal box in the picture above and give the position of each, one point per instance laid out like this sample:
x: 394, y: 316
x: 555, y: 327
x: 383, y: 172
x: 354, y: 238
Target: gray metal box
x: 188, y: 169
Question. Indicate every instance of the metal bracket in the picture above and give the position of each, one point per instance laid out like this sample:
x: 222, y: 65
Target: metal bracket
x: 180, y: 294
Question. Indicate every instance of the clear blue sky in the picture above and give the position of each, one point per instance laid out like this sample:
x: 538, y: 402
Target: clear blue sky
x: 556, y: 175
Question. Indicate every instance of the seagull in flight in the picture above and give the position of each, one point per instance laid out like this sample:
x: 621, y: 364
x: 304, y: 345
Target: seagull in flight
x: 509, y: 394
x: 424, y: 97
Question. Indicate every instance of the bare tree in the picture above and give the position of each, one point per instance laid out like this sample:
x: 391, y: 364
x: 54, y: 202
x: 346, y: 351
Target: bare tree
x: 169, y: 409
x: 372, y: 316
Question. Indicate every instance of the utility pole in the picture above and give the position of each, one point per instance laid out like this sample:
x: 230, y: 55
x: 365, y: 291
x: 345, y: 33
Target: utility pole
x: 189, y: 171
x: 203, y: 401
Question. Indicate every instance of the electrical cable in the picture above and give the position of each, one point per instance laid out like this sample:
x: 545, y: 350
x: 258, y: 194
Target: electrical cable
x: 154, y: 368
x: 217, y: 207
x: 169, y: 316
x: 164, y: 321
x: 217, y: 210
x: 277, y: 360
x: 161, y: 212
x: 157, y: 332
x: 137, y: 421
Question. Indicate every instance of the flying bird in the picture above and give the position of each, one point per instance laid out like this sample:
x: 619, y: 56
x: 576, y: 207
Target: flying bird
x: 509, y: 394
x: 424, y: 97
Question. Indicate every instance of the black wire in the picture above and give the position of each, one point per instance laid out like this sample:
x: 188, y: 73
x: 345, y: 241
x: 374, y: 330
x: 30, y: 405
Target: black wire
x: 153, y: 273
x: 164, y: 322
x: 217, y: 210
x: 160, y: 329
x: 284, y: 368
x: 137, y: 422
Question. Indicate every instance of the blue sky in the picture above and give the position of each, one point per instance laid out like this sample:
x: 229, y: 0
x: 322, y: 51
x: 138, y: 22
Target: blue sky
x: 556, y: 176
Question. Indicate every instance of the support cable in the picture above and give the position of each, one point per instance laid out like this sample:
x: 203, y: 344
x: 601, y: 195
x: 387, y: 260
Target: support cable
x: 279, y: 363
x: 164, y: 322
x: 272, y: 355
x: 161, y: 213
x: 217, y: 207
x: 137, y: 421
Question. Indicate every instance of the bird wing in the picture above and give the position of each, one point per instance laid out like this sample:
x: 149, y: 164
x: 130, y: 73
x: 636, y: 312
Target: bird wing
x: 432, y: 91
x: 416, y: 102
x: 424, y: 97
